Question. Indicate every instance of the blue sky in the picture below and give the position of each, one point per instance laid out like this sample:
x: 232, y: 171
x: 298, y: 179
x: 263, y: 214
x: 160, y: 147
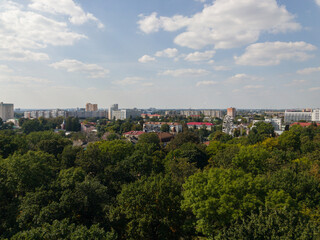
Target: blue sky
x: 163, y: 54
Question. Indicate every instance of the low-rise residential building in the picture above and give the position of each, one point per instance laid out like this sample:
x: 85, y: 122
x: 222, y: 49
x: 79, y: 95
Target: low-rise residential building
x: 145, y: 115
x: 303, y: 124
x: 165, y: 138
x: 156, y: 127
x: 133, y: 136
x: 199, y: 125
x: 275, y: 122
x: 88, y: 128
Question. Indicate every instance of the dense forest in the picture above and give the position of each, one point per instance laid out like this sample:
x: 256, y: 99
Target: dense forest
x: 259, y: 186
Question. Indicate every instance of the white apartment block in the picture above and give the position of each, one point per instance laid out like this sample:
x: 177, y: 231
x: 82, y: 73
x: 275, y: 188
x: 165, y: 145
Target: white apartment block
x: 126, y: 114
x: 315, y: 117
x: 6, y: 111
x: 290, y: 117
x: 275, y: 122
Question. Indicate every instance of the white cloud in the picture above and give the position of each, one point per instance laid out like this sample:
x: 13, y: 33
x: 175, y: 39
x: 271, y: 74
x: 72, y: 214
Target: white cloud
x: 169, y: 53
x: 151, y: 23
x: 206, y: 83
x: 22, y: 32
x: 295, y: 83
x: 91, y: 70
x: 148, y: 84
x: 318, y: 2
x: 186, y: 72
x: 5, y: 69
x: 224, y: 24
x: 202, y: 1
x: 146, y: 59
x: 314, y: 89
x: 243, y: 78
x: 23, y: 79
x: 309, y: 70
x: 272, y: 53
x: 22, y: 55
x: 65, y: 7
x: 253, y: 86
x: 221, y: 68
x: 129, y: 81
x: 199, y: 56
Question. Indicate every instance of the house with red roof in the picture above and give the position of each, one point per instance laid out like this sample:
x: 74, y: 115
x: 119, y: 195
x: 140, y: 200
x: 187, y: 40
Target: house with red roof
x: 303, y: 124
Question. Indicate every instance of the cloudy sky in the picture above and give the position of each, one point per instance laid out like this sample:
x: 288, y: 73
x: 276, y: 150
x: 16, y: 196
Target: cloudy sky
x: 160, y: 53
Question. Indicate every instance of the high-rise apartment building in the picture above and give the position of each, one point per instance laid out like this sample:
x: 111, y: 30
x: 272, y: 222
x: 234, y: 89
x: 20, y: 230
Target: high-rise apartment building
x: 232, y: 112
x: 91, y: 107
x: 6, y: 111
x: 112, y: 108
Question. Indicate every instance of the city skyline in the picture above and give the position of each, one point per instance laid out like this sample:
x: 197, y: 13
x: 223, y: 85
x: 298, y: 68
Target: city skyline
x: 177, y: 54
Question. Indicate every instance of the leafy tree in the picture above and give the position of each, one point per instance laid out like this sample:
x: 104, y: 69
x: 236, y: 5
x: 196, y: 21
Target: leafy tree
x: 221, y: 136
x: 289, y: 141
x: 151, y: 209
x: 165, y: 128
x: 272, y: 224
x: 31, y: 126
x: 218, y: 197
x: 29, y: 171
x: 252, y: 159
x: 195, y: 153
x: 65, y: 230
x: 182, y: 138
x: 69, y: 155
x: 73, y: 124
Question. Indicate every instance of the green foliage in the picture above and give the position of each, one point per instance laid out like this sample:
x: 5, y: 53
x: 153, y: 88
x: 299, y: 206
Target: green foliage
x: 182, y: 138
x: 289, y: 141
x: 151, y: 209
x: 218, y: 196
x: 165, y: 128
x: 27, y: 172
x: 272, y: 224
x: 258, y: 186
x: 65, y: 230
x: 73, y: 124
x: 195, y: 153
x: 252, y: 159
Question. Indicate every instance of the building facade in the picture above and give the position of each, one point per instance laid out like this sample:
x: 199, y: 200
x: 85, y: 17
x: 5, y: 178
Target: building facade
x: 112, y: 108
x: 46, y: 114
x: 6, y: 111
x: 291, y: 116
x: 156, y: 127
x: 91, y: 107
x: 200, y: 125
x: 315, y: 117
x: 212, y: 113
x: 232, y: 112
x: 275, y: 122
x: 126, y: 114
